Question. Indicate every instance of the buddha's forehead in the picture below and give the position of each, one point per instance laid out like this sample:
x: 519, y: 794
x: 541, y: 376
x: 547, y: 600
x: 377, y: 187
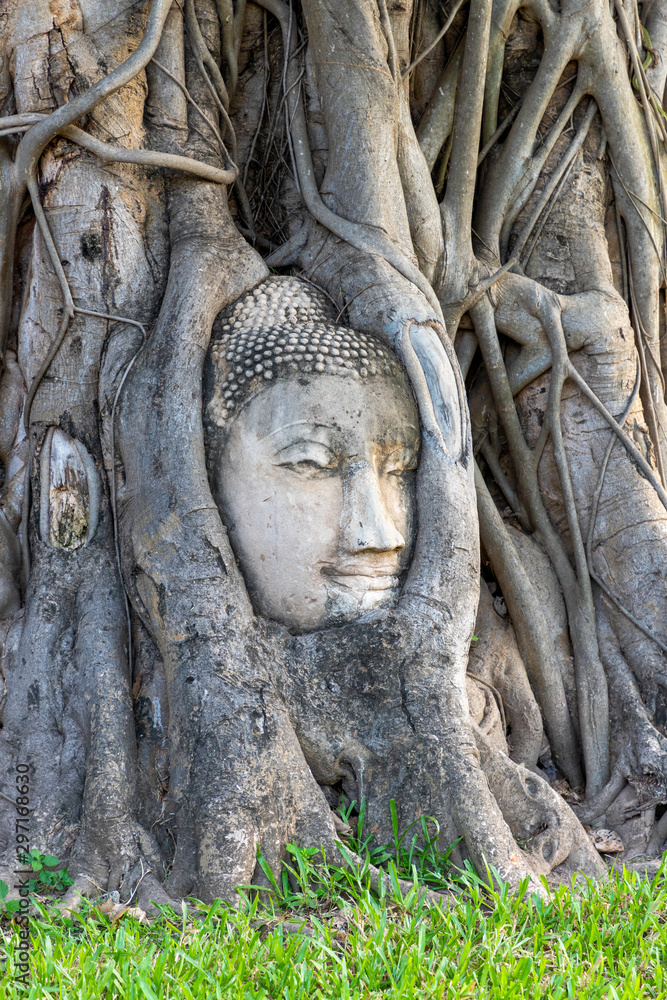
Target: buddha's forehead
x: 333, y: 408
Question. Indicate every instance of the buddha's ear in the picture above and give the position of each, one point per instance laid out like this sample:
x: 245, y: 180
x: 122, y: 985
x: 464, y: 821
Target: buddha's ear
x: 436, y: 380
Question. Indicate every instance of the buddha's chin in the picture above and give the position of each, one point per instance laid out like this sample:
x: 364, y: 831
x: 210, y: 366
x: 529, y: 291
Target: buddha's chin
x: 349, y: 600
x: 335, y: 600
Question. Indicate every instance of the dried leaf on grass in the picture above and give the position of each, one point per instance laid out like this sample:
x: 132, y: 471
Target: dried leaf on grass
x: 117, y: 910
x: 606, y: 841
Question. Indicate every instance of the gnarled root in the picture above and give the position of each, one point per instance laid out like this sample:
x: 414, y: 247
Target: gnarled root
x: 495, y: 661
x: 250, y: 789
x: 641, y: 753
x: 110, y: 861
x: 538, y: 817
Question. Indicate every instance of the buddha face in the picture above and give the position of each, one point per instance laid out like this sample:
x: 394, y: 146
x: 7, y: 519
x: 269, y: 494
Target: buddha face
x: 316, y: 487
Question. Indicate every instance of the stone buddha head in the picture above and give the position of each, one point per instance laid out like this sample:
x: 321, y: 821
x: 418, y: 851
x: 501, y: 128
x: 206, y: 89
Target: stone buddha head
x: 312, y: 441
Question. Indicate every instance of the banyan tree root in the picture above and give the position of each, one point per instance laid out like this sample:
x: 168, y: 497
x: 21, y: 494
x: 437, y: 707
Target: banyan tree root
x: 68, y: 711
x: 67, y: 715
x: 604, y: 373
x: 359, y: 697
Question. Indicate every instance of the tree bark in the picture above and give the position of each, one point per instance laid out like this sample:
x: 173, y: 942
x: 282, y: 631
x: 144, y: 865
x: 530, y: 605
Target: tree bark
x: 484, y: 191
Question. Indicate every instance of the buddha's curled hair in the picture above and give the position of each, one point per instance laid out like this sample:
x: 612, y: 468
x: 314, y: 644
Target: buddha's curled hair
x: 281, y: 329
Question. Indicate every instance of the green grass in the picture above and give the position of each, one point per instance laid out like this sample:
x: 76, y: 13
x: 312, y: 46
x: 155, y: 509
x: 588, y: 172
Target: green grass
x: 599, y: 941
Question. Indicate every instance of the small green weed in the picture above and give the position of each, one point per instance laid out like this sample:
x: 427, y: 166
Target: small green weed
x: 49, y: 880
x: 8, y: 906
x: 48, y: 876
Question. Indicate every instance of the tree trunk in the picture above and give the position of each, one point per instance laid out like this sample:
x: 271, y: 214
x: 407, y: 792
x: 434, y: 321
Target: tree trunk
x: 480, y: 189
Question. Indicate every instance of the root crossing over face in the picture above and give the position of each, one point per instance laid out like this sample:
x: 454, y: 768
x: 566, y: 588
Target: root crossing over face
x: 316, y: 487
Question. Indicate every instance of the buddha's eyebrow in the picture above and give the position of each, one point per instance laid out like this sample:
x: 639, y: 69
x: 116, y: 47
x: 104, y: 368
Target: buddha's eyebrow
x: 295, y: 423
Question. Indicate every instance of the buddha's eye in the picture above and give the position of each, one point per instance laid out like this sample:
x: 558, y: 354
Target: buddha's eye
x: 307, y: 458
x: 308, y: 467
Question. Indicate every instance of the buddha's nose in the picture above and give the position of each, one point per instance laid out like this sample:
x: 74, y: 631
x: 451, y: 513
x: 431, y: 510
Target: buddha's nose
x: 366, y: 523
